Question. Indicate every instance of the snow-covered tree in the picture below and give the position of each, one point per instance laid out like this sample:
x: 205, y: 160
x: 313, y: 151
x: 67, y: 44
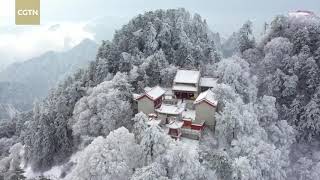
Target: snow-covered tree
x: 276, y: 53
x: 266, y: 110
x: 5, y: 145
x: 256, y: 159
x: 246, y: 38
x: 289, y: 68
x: 149, y: 38
x: 120, y: 82
x: 310, y: 118
x: 189, y: 62
x: 304, y: 168
x: 300, y: 39
x: 139, y: 126
x: 247, y: 144
x: 113, y: 157
x: 126, y: 62
x: 154, y: 144
x: 309, y: 76
x: 224, y: 94
x: 231, y: 46
x: 227, y: 122
x: 217, y: 163
x: 102, y: 111
x: 12, y: 162
x: 236, y: 73
x: 183, y: 163
x: 40, y: 144
x: 151, y: 172
x: 173, y: 31
x: 7, y: 128
x: 156, y: 64
x: 167, y: 75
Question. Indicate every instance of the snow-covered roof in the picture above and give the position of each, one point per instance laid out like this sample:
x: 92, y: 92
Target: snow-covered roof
x: 208, y: 82
x: 187, y: 76
x: 207, y: 96
x: 184, y: 87
x: 154, y: 122
x: 300, y: 13
x: 136, y: 96
x: 146, y: 89
x: 153, y: 93
x: 156, y: 92
x: 175, y: 125
x: 171, y: 109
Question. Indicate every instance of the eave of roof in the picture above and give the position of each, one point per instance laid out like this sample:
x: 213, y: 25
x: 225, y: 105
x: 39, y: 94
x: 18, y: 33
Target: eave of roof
x: 147, y: 94
x: 186, y: 88
x: 208, y: 82
x: 207, y: 97
x: 170, y: 109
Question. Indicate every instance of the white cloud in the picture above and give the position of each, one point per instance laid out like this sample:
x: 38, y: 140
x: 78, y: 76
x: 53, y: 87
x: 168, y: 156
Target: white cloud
x: 23, y: 42
x: 7, y: 8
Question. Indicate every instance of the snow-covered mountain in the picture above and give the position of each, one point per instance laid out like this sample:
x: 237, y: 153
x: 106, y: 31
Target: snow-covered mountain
x: 7, y: 111
x: 39, y: 74
x: 268, y: 95
x: 14, y: 95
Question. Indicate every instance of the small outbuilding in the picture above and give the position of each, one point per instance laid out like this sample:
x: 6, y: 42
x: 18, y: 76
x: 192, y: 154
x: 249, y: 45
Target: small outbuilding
x: 168, y: 112
x: 207, y: 83
x: 150, y: 100
x: 205, y: 106
x: 175, y: 129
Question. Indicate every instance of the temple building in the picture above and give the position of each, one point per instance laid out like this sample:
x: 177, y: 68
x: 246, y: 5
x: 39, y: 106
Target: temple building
x: 150, y: 100
x: 185, y: 109
x: 186, y: 84
x: 205, y: 106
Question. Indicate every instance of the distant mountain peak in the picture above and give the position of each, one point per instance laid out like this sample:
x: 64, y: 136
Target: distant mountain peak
x: 84, y: 45
x: 54, y: 27
x: 86, y: 42
x: 41, y: 73
x: 302, y: 14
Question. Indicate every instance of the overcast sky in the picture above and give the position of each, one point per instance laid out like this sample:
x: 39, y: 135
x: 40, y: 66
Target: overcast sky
x: 223, y: 16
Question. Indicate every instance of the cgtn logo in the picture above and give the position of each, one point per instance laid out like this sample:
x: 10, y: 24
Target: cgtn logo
x: 27, y: 12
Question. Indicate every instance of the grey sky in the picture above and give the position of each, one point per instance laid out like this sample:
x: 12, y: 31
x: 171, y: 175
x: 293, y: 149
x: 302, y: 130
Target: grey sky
x: 224, y: 16
x: 18, y: 43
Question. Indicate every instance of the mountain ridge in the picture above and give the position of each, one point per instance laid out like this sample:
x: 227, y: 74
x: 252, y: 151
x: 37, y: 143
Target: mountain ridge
x: 42, y: 73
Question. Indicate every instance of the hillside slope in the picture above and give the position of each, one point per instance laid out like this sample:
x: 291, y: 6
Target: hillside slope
x: 39, y: 74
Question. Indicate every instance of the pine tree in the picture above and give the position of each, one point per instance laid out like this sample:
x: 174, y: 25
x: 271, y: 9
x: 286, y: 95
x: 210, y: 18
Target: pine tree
x: 125, y: 62
x: 189, y: 62
x: 154, y: 143
x: 41, y: 146
x: 246, y: 39
x: 310, y: 118
x: 139, y: 125
x: 300, y: 38
x: 309, y: 77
